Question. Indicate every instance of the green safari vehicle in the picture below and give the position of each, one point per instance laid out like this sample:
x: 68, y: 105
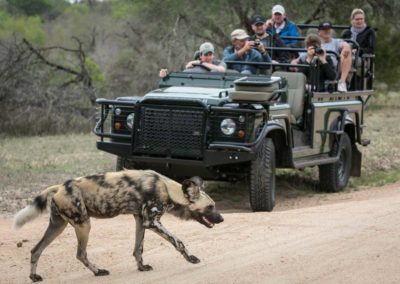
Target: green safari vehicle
x: 230, y: 126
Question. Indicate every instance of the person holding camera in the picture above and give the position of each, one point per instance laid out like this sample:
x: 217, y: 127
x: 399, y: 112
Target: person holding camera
x: 242, y: 49
x: 259, y: 27
x: 316, y: 55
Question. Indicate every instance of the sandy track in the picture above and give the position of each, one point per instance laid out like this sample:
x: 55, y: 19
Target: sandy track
x: 352, y: 238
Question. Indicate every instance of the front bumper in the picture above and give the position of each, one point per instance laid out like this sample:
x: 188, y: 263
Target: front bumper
x: 210, y: 158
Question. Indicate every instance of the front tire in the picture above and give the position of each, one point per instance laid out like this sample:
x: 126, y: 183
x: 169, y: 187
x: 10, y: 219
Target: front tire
x: 262, y: 178
x: 334, y: 177
x: 124, y: 163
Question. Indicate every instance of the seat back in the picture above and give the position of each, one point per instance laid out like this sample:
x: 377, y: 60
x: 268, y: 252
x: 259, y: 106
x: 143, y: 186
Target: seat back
x: 296, y: 91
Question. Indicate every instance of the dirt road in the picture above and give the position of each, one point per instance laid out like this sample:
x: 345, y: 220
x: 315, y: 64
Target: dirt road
x: 349, y: 238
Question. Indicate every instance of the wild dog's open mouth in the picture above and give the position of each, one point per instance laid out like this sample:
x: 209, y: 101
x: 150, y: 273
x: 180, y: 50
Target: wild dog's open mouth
x: 207, y: 222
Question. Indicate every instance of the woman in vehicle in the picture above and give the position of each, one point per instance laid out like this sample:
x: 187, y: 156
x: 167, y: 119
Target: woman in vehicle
x: 360, y: 32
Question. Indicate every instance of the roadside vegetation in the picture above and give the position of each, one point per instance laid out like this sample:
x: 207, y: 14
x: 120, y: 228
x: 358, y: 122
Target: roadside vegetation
x: 56, y: 58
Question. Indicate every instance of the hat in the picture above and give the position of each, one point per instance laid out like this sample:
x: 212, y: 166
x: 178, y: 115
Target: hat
x: 206, y: 48
x: 257, y: 19
x: 325, y: 25
x: 278, y: 9
x: 239, y: 34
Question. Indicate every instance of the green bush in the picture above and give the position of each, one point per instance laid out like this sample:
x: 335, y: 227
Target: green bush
x: 30, y: 28
x: 95, y: 72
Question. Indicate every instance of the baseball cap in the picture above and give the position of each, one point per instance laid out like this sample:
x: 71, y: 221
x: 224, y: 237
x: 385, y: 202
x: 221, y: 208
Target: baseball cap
x: 257, y: 19
x: 206, y: 48
x: 325, y: 25
x: 239, y: 34
x: 278, y: 9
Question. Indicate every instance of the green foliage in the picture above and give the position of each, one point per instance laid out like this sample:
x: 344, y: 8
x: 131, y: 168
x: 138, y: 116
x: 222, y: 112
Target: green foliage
x: 388, y: 60
x: 124, y: 9
x: 31, y: 7
x: 27, y: 27
x: 77, y: 10
x: 48, y: 9
x: 95, y: 72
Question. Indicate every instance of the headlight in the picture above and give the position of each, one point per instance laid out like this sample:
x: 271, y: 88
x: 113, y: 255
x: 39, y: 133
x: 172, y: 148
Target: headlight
x: 129, y: 120
x: 228, y: 126
x: 117, y: 111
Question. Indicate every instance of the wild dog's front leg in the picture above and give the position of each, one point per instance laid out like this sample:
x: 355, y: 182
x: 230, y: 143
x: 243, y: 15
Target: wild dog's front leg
x: 152, y: 213
x: 157, y: 227
x: 138, y: 251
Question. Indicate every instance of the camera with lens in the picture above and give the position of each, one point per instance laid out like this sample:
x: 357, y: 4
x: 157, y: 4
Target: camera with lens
x: 257, y: 42
x: 319, y: 50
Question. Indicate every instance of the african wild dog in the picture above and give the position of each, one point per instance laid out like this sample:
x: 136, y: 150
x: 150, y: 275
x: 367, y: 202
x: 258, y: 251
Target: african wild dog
x: 145, y: 194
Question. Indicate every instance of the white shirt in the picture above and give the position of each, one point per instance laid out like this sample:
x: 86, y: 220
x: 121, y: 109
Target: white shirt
x: 333, y: 45
x: 279, y: 28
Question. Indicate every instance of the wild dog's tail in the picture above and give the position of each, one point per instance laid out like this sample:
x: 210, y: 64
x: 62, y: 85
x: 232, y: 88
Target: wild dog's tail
x: 36, y: 208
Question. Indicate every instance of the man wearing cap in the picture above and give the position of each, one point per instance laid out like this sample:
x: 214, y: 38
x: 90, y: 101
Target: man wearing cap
x: 279, y: 24
x: 206, y: 59
x: 205, y: 63
x: 259, y: 27
x: 340, y: 47
x: 242, y: 50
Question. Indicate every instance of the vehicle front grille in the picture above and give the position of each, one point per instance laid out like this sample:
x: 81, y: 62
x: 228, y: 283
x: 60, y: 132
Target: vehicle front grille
x: 170, y: 131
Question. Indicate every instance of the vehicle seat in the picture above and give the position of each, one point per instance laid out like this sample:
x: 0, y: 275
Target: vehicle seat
x: 296, y: 92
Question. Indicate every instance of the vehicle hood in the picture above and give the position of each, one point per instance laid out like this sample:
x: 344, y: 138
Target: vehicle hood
x: 208, y: 96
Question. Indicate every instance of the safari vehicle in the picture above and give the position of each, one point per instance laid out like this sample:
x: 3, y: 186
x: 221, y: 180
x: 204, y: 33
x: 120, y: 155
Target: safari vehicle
x: 233, y: 127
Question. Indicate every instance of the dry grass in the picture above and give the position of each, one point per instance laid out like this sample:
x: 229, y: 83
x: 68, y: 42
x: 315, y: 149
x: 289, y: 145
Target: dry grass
x: 381, y: 159
x: 29, y: 164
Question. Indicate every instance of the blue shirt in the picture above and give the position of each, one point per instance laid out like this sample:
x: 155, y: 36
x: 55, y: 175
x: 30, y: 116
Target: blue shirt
x: 290, y: 29
x: 250, y: 56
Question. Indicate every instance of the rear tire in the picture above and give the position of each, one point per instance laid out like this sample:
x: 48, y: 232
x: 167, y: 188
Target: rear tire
x: 334, y: 177
x: 262, y: 178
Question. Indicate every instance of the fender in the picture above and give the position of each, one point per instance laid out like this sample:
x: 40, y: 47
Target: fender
x: 352, y: 129
x: 279, y: 131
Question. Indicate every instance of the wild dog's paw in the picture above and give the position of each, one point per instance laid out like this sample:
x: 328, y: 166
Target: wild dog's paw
x: 35, y: 277
x: 102, y: 272
x: 145, y: 267
x: 193, y: 259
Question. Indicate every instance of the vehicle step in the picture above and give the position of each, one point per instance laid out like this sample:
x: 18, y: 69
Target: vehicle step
x: 337, y: 132
x: 298, y: 149
x: 314, y: 161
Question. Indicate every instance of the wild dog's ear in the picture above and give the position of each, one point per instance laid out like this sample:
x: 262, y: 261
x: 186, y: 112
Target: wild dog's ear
x: 191, y: 188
